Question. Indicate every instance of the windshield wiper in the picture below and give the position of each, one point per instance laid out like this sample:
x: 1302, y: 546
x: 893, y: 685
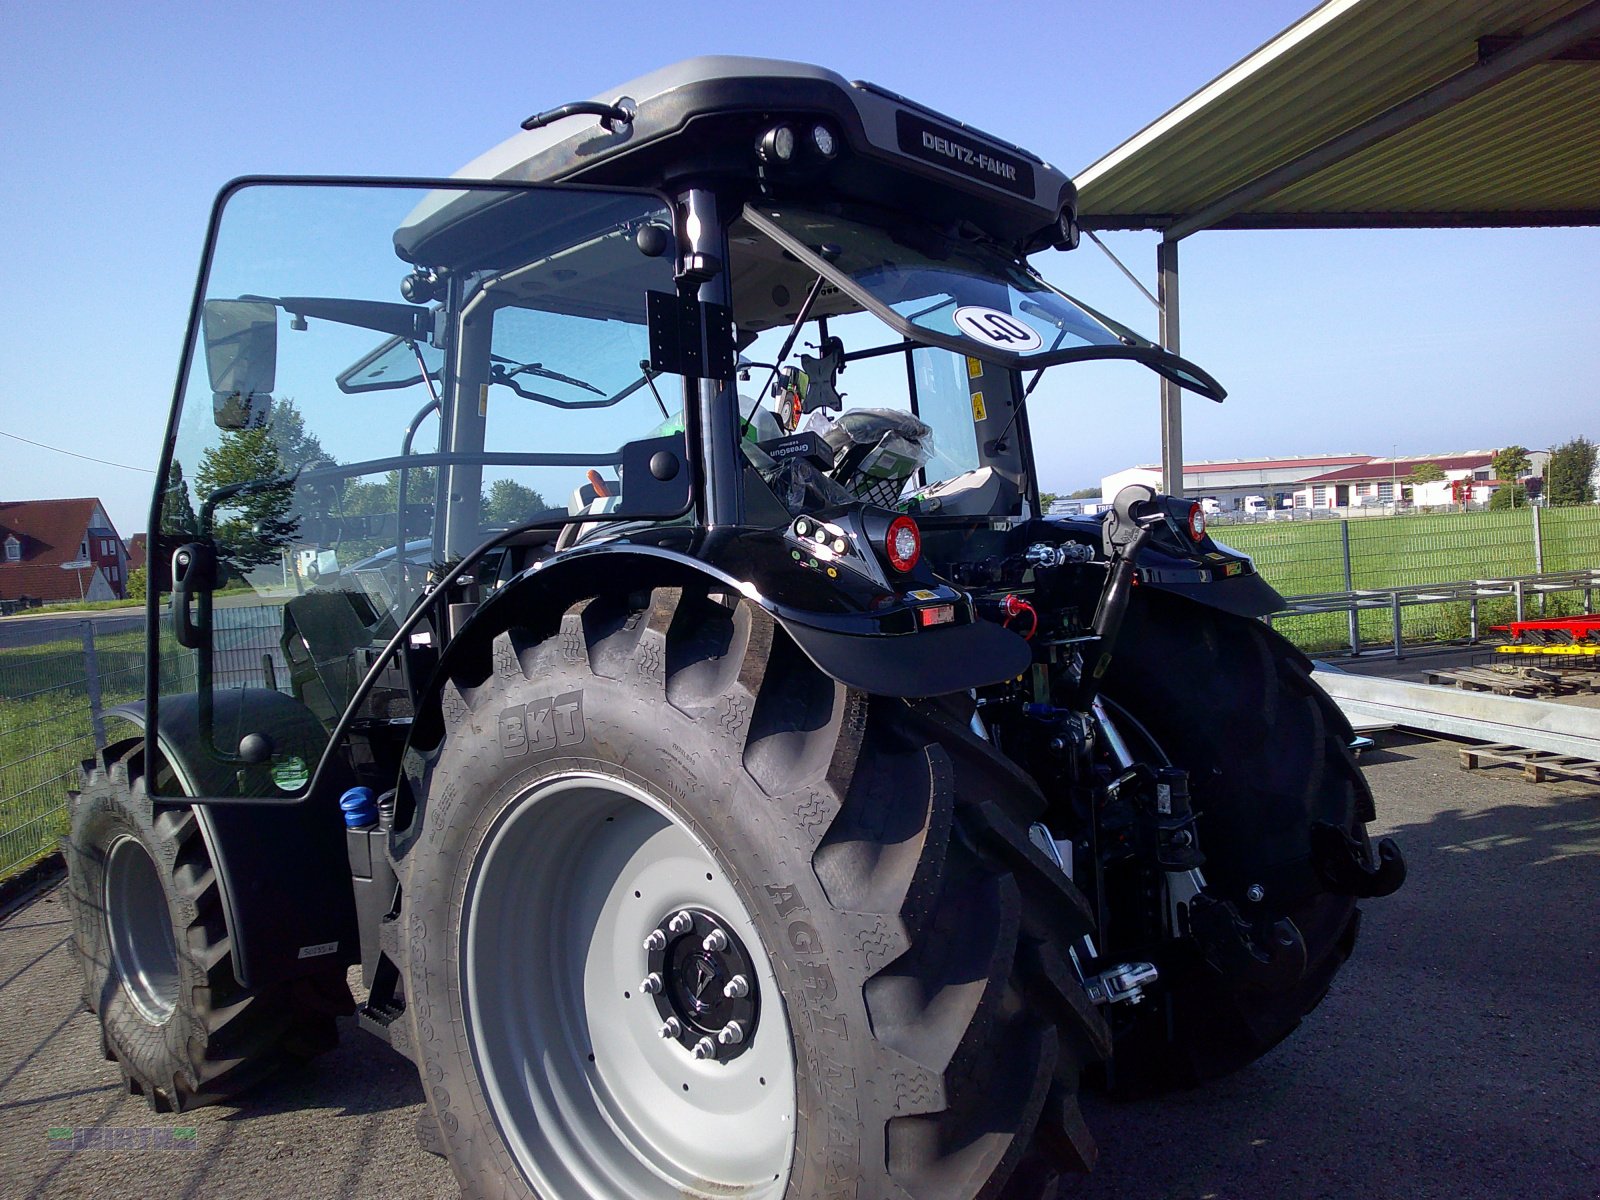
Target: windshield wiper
x: 498, y: 374
x: 544, y: 372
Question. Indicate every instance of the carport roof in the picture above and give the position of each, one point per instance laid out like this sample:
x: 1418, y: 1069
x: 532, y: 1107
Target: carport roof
x: 1377, y: 113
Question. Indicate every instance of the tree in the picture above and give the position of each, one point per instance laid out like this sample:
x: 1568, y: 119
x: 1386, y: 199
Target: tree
x: 1511, y: 464
x: 262, y: 522
x: 297, y: 446
x: 508, y: 502
x: 1425, y: 472
x: 177, y: 508
x: 1509, y: 495
x: 1570, y: 473
x: 138, y: 580
x: 377, y: 496
x: 1087, y: 493
x: 1047, y: 501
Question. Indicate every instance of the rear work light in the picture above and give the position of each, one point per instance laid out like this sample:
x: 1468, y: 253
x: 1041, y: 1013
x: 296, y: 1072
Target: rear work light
x: 778, y: 144
x: 903, y: 543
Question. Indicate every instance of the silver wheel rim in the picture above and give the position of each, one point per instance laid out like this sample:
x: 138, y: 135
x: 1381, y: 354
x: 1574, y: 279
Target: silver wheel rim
x: 139, y: 926
x: 591, y: 1100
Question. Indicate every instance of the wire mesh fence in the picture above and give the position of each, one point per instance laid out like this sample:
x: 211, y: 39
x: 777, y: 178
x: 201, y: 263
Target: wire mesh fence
x: 52, y: 701
x: 53, y: 704
x: 53, y: 698
x: 1418, y: 554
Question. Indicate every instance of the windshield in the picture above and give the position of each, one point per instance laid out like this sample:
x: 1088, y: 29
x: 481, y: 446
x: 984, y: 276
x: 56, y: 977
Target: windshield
x: 332, y: 445
x: 967, y: 296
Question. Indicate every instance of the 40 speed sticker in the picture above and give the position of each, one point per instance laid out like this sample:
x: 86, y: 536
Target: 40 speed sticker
x: 995, y: 328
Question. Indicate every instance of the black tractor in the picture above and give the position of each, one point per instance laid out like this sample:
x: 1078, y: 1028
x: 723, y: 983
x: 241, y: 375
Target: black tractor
x: 605, y: 597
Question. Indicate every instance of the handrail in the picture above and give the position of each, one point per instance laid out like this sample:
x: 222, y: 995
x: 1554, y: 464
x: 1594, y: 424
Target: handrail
x: 1470, y: 591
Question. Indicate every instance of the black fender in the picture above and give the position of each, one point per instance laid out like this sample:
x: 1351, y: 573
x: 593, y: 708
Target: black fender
x: 1206, y: 572
x: 283, y: 869
x: 1222, y: 579
x: 926, y: 662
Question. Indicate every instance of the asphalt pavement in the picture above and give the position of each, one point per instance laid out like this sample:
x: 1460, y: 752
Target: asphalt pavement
x: 36, y: 629
x: 1457, y: 1056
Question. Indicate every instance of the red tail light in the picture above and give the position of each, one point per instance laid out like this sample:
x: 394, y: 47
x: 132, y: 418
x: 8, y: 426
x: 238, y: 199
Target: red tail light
x: 1197, y: 522
x: 903, y: 543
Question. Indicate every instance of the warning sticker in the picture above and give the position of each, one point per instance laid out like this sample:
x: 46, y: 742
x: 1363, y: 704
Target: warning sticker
x: 979, y: 413
x: 974, y: 367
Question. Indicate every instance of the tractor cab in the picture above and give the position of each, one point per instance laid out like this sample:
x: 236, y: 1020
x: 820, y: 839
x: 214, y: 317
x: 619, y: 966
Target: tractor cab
x: 736, y: 294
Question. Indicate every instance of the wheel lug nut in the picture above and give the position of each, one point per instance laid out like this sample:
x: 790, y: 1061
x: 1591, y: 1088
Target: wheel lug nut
x: 736, y: 987
x: 705, y: 1048
x: 681, y: 922
x: 716, y: 941
x: 1254, y: 893
x: 671, y: 1028
x: 656, y: 941
x: 731, y: 1034
x: 651, y: 984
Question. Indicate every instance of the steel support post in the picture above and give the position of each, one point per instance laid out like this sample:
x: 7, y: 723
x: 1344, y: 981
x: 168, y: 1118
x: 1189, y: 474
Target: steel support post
x: 1350, y: 586
x: 1538, y: 551
x: 1171, y: 395
x: 91, y: 674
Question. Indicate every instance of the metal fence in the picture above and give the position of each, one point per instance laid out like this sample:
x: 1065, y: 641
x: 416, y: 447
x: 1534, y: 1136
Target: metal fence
x: 53, y: 701
x: 1359, y: 583
x: 1456, y: 573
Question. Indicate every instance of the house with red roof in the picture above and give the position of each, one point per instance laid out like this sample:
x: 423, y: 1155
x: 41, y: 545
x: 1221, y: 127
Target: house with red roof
x: 1240, y: 483
x: 136, y: 552
x: 1468, y: 479
x: 57, y: 550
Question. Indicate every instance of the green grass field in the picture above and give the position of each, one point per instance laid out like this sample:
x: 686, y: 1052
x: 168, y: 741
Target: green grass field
x: 1307, y: 557
x: 45, y: 731
x: 44, y: 704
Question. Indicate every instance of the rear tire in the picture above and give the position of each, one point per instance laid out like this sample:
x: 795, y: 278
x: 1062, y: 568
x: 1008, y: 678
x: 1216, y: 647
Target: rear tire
x: 672, y: 751
x: 1268, y: 757
x: 156, y: 959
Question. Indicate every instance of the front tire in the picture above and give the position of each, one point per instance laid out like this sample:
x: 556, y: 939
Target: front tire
x: 673, y: 757
x: 1268, y: 757
x: 155, y: 956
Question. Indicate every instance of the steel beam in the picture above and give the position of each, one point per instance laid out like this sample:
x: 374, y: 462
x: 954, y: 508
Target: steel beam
x: 1548, y: 43
x: 1375, y: 219
x: 1171, y: 394
x: 1478, y: 716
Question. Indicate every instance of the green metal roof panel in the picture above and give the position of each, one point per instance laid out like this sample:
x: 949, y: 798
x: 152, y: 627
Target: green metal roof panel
x: 1527, y: 145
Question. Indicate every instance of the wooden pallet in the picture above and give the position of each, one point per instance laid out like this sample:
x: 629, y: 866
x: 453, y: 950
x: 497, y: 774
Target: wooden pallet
x: 1538, y: 766
x: 1502, y: 683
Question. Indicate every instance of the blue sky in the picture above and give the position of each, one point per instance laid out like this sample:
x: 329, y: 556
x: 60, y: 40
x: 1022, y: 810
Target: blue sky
x: 118, y: 123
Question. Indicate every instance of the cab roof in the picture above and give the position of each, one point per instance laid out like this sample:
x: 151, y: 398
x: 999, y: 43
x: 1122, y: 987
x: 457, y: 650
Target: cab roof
x: 699, y: 121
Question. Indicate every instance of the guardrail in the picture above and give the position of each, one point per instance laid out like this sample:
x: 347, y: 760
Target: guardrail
x: 1472, y: 593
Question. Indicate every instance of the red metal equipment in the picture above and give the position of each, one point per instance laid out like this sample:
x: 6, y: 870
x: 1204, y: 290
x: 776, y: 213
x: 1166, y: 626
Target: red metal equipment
x: 1546, y: 629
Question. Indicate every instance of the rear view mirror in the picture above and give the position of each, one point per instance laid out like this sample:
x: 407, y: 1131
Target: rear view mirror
x: 241, y: 339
